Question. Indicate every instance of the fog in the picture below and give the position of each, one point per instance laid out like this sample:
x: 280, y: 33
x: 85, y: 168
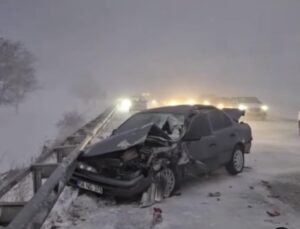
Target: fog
x: 233, y: 47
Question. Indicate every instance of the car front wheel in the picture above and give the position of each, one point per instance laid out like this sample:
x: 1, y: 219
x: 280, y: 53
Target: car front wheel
x: 237, y: 162
x: 167, y: 181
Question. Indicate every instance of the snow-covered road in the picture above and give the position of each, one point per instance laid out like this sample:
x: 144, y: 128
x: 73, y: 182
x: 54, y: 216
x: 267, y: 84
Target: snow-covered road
x: 270, y: 182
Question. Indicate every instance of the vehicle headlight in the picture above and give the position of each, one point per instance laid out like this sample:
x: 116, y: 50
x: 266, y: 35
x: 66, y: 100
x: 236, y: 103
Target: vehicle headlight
x: 220, y: 106
x: 264, y: 107
x: 154, y: 103
x: 86, y: 167
x: 191, y: 102
x: 242, y: 107
x: 173, y: 103
x: 124, y: 105
x: 206, y: 102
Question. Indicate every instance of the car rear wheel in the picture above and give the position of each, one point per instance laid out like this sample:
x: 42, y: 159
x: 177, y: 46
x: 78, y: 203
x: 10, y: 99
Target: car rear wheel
x: 237, y: 162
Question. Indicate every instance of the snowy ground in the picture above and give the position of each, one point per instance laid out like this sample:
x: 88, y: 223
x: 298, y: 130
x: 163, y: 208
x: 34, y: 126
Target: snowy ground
x: 270, y: 182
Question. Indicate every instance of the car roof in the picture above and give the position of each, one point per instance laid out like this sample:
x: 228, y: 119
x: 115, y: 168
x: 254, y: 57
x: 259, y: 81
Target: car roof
x: 247, y: 99
x: 180, y: 109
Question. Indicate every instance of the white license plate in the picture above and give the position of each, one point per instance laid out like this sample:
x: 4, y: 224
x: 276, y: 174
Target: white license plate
x: 90, y: 187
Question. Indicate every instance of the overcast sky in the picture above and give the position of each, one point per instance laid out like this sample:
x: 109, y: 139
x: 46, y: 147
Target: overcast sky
x: 224, y: 47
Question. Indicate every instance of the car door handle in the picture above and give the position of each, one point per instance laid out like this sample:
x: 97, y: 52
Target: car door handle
x: 232, y: 135
x: 212, y: 145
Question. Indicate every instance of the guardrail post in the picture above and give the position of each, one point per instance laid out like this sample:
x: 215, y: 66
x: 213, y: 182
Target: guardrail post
x: 59, y: 156
x: 37, y: 179
x: 41, y: 171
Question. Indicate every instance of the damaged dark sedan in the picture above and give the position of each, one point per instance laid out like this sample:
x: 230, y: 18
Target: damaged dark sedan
x: 154, y: 150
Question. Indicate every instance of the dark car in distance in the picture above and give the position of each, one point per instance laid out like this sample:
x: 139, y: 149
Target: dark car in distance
x: 161, y: 146
x: 254, y: 108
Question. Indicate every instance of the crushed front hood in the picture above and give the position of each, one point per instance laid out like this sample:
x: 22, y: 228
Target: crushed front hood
x: 125, y: 140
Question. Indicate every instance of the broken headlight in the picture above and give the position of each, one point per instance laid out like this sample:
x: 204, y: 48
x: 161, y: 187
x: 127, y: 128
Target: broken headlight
x: 86, y: 167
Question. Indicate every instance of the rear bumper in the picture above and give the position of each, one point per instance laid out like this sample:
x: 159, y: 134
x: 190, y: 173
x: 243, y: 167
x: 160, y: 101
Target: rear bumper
x: 113, y: 187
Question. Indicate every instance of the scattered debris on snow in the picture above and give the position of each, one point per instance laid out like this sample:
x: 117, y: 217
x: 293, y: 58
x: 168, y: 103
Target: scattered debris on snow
x: 157, y: 217
x: 273, y: 212
x: 266, y: 184
x: 214, y: 194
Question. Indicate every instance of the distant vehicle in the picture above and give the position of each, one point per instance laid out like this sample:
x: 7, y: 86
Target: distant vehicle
x: 161, y: 146
x: 132, y: 104
x: 223, y: 102
x: 253, y: 106
x: 139, y: 103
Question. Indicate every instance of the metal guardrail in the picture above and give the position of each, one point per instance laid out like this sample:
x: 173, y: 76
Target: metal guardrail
x: 14, y: 177
x: 34, y: 213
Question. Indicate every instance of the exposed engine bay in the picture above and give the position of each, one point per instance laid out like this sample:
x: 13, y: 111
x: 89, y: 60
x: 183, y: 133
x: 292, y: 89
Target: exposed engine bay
x: 132, y: 162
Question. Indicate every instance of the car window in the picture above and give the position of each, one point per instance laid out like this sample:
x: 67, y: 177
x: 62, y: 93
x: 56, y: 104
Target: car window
x: 165, y: 121
x: 200, y: 126
x: 219, y: 120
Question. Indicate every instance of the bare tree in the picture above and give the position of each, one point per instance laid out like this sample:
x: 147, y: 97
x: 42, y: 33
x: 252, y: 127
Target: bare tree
x: 88, y: 89
x: 17, y: 74
x: 70, y: 122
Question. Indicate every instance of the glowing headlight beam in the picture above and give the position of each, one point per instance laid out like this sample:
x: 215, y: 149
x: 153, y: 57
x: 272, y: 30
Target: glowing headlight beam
x: 242, y: 107
x: 173, y: 103
x: 154, y: 103
x: 124, y: 105
x: 264, y: 107
x: 191, y: 102
x: 206, y: 102
x: 220, y: 106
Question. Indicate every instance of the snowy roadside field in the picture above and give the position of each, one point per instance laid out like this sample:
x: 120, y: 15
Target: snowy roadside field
x: 23, y: 135
x: 270, y: 182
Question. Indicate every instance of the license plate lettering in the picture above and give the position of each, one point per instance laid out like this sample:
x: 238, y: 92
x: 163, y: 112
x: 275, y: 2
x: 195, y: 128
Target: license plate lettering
x: 90, y: 187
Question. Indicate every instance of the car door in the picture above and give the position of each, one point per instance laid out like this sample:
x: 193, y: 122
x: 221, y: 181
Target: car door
x: 225, y: 134
x: 203, y: 149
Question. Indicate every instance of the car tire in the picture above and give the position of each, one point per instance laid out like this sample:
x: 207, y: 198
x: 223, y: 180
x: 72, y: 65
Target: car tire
x: 169, y: 180
x: 237, y: 161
